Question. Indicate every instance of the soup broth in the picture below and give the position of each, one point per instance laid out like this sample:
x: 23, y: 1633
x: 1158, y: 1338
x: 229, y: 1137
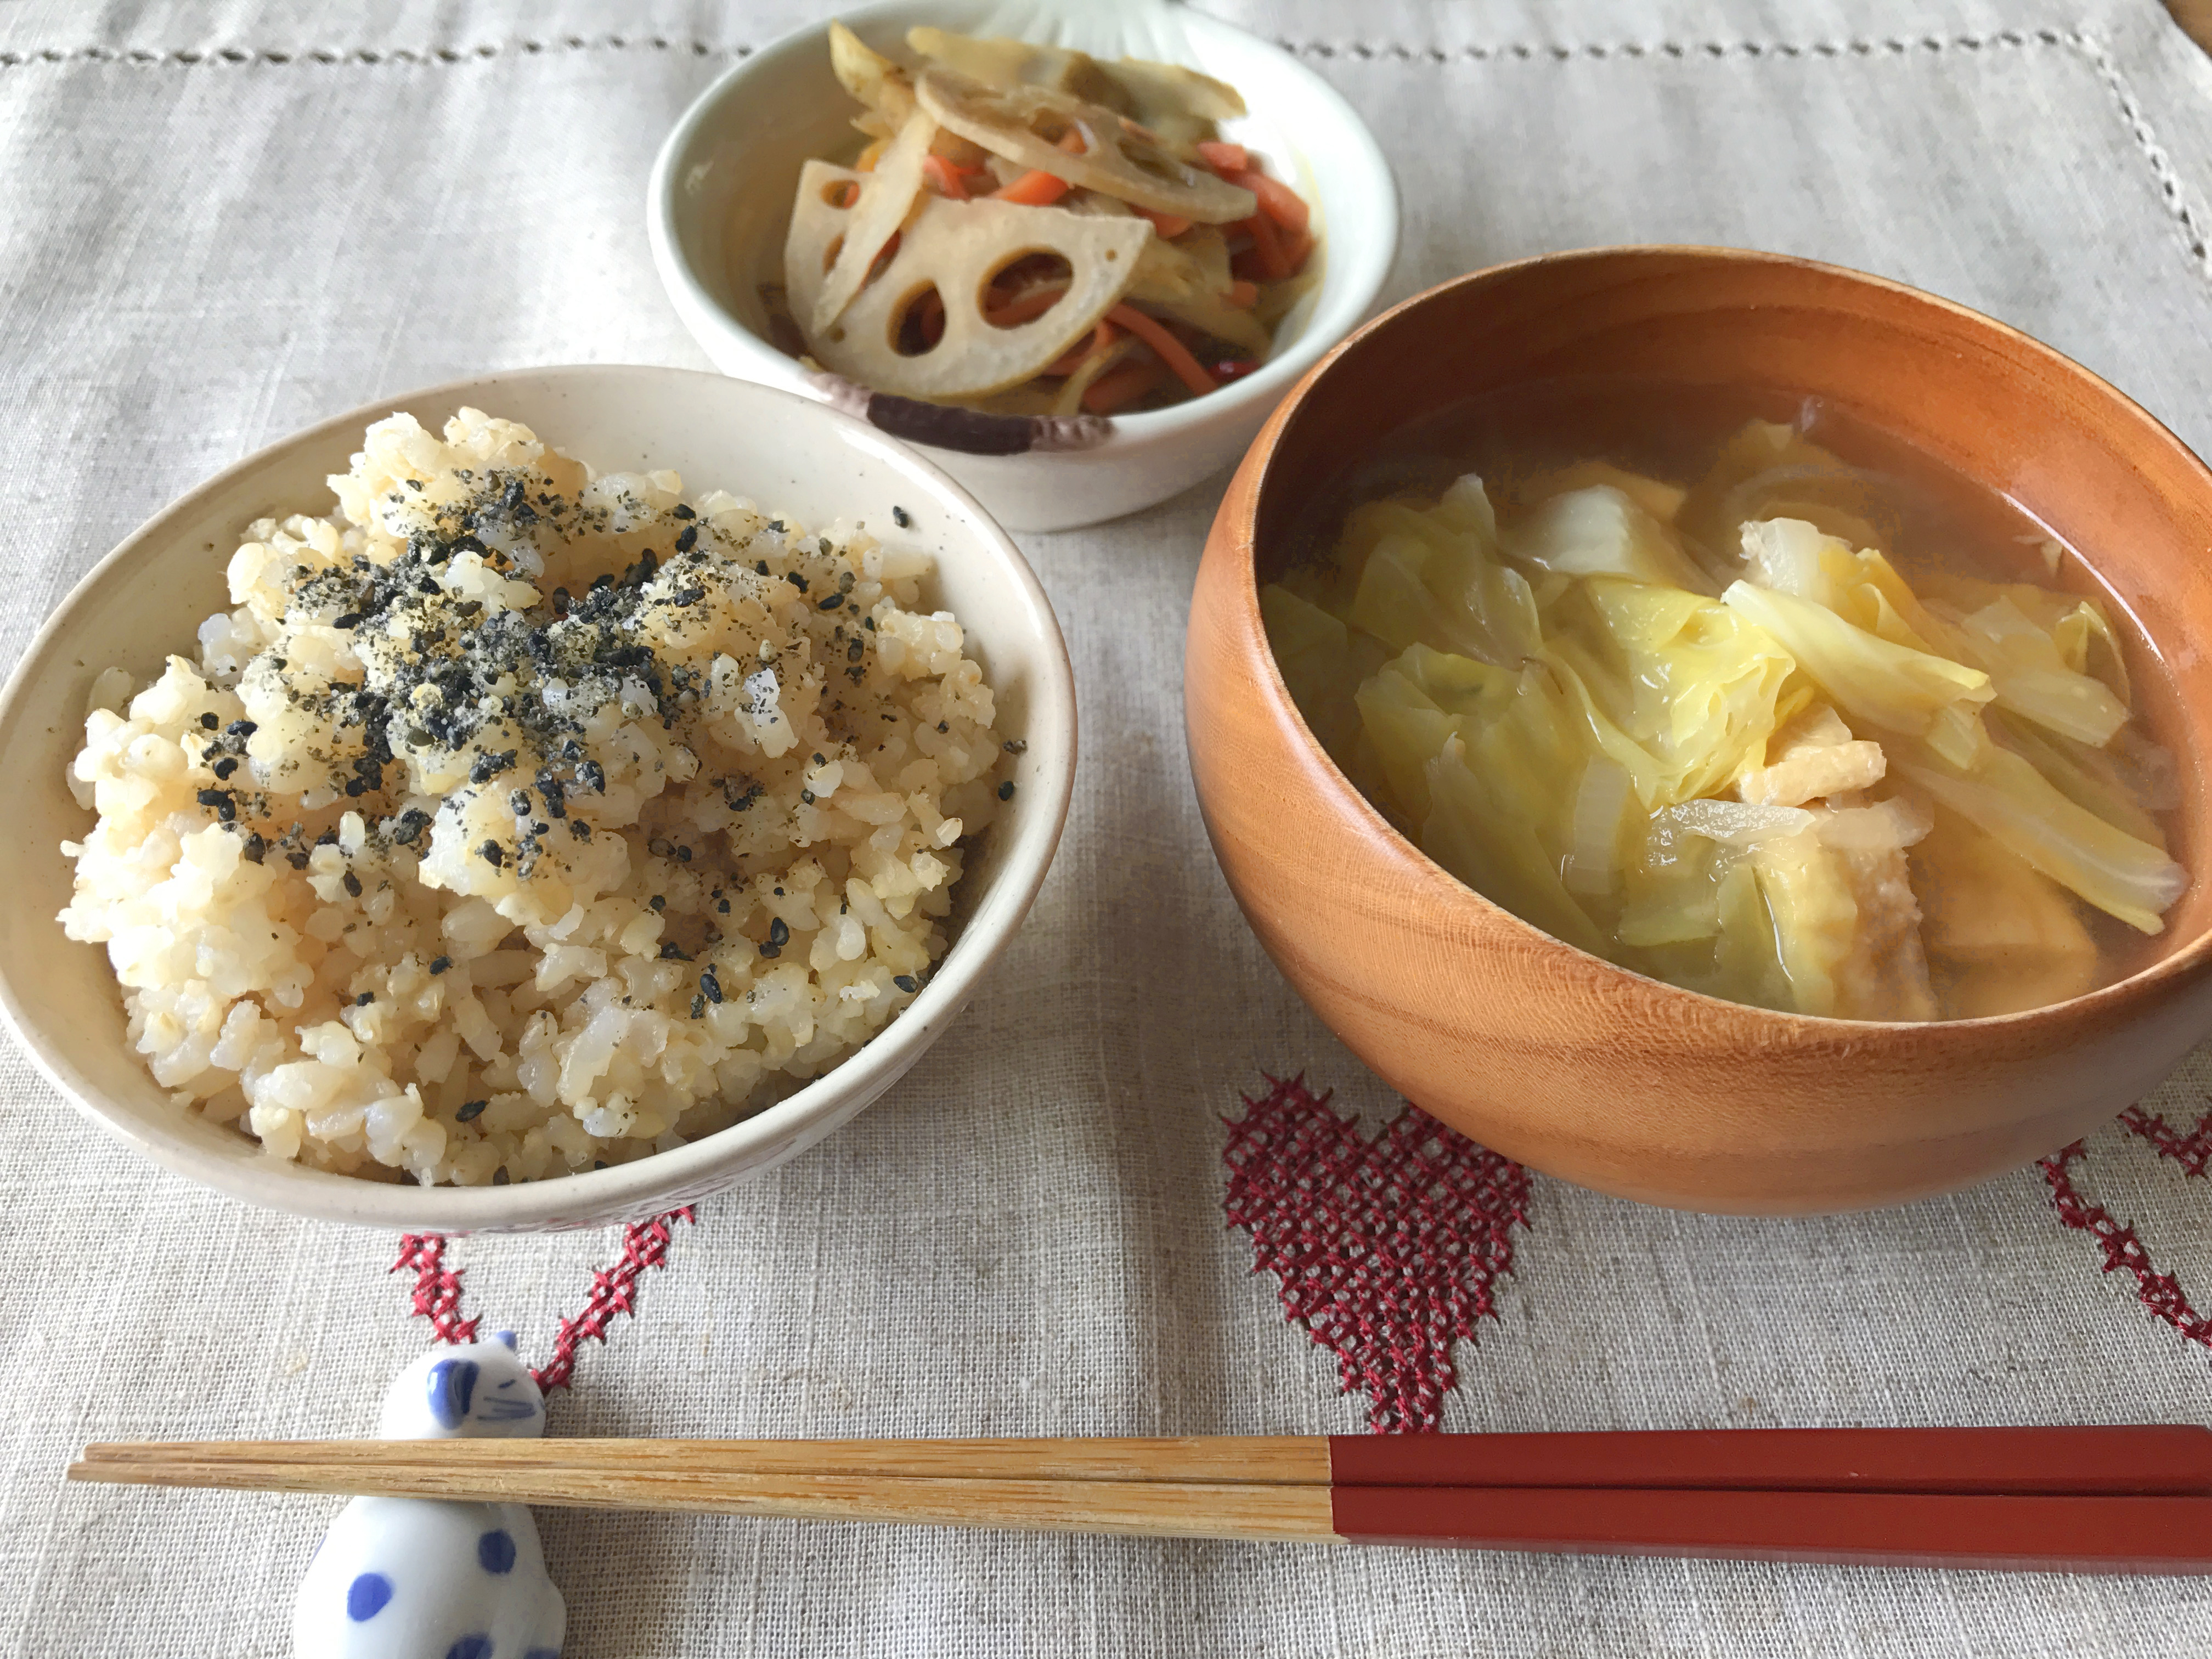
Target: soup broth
x: 1737, y: 691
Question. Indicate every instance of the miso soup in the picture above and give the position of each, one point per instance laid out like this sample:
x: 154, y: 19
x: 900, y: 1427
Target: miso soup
x: 1738, y: 693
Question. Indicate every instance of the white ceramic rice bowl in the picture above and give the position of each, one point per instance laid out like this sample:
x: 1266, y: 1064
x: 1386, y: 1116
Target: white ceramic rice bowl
x: 144, y: 600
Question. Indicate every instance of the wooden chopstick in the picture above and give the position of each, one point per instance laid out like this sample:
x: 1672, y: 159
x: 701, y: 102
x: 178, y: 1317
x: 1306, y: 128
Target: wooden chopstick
x: 1283, y: 1460
x: 2109, y: 1500
x: 2145, y: 1460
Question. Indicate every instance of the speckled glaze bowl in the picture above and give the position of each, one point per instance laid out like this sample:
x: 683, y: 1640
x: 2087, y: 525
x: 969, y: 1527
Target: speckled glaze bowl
x: 719, y: 201
x: 145, y: 600
x: 1563, y: 1060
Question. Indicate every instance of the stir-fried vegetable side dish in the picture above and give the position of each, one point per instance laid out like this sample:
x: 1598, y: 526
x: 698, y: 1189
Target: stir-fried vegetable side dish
x: 1031, y: 232
x: 1711, y: 734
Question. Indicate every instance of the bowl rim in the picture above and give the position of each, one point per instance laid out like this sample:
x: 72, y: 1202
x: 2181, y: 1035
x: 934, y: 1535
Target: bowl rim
x: 645, y: 1185
x: 1347, y: 290
x: 2191, y: 956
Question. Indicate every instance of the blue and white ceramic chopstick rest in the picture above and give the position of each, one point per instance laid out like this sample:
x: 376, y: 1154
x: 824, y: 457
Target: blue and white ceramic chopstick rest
x: 419, y: 1578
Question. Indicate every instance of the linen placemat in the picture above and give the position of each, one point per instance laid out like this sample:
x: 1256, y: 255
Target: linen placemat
x: 223, y: 218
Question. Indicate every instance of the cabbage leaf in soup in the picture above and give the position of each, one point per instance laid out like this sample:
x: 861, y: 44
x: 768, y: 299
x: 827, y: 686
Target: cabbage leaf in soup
x: 1708, y: 731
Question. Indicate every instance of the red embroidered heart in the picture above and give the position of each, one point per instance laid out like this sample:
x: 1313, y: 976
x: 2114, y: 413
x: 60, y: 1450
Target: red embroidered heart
x: 1387, y: 1250
x: 2193, y: 1151
x: 614, y: 1290
x: 2161, y: 1292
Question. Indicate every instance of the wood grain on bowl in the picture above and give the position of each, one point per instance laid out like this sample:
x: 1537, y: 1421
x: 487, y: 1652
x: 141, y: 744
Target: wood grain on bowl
x: 1560, y: 1060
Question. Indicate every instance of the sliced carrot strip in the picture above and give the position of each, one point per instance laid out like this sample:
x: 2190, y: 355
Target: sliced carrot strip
x: 1119, y: 388
x: 1244, y: 295
x: 1029, y: 303
x: 1170, y: 225
x: 1296, y: 251
x: 1101, y: 336
x: 1277, y: 199
x: 1033, y: 189
x: 946, y: 177
x: 1223, y: 157
x: 1266, y: 246
x: 1173, y: 352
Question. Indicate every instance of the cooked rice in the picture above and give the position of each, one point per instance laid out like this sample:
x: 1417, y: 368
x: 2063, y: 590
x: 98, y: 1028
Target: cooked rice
x: 516, y: 820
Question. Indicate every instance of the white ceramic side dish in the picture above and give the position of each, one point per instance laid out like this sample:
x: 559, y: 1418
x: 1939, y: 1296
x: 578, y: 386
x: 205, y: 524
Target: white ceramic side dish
x: 721, y: 198
x: 144, y: 600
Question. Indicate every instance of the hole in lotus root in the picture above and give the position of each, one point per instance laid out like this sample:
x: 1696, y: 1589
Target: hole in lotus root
x: 921, y: 324
x: 841, y: 192
x: 1026, y: 288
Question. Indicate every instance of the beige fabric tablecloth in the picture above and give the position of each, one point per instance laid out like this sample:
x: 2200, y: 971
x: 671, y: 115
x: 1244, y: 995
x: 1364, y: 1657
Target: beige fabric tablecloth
x: 220, y: 221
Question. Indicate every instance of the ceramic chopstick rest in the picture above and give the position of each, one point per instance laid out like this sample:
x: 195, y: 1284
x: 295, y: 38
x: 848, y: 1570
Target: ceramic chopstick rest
x: 416, y: 1578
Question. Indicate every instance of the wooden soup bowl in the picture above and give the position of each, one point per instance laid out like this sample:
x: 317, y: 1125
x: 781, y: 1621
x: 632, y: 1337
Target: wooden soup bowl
x: 1565, y: 1062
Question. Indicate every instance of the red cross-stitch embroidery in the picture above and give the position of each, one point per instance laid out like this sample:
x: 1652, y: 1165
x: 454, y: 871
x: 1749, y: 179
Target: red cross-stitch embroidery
x: 437, y: 1287
x: 614, y: 1291
x: 2161, y: 1292
x: 1387, y: 1250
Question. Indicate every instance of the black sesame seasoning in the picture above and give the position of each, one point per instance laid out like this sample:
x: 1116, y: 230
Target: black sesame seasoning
x: 710, y: 986
x: 832, y: 602
x: 680, y: 511
x: 225, y: 767
x: 351, y: 883
x: 687, y: 538
x: 698, y: 1006
x: 779, y: 932
x: 657, y: 903
x: 349, y: 619
x: 672, y: 951
x: 1015, y: 746
x: 493, y: 854
x: 364, y: 999
x: 795, y: 580
x: 905, y: 982
x: 439, y: 965
x: 240, y: 729
x: 1006, y: 790
x: 220, y: 800
x: 500, y: 1178
x: 209, y: 721
x: 902, y: 518
x: 472, y: 1111
x: 255, y: 849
